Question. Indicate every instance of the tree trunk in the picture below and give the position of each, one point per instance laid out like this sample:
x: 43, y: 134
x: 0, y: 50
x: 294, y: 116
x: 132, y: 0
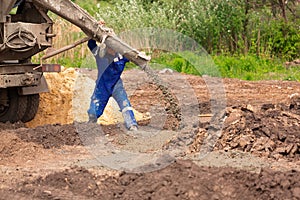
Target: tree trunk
x: 245, y: 27
x: 258, y: 44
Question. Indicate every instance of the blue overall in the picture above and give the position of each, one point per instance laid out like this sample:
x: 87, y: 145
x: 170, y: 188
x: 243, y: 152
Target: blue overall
x: 109, y: 84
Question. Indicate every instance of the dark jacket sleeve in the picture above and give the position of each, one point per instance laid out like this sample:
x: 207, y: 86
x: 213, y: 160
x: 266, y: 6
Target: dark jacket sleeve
x: 92, y: 44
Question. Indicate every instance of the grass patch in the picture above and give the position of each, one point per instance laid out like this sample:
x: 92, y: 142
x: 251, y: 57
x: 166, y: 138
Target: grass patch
x: 253, y: 68
x: 187, y: 62
x: 247, y: 67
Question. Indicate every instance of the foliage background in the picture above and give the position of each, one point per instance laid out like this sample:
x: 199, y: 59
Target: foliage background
x: 248, y: 39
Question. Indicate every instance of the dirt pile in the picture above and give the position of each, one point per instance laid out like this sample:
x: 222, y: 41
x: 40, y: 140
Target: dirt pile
x: 56, y: 106
x: 14, y: 150
x: 25, y: 146
x: 9, y: 126
x: 271, y: 130
x: 50, y: 136
x: 181, y: 180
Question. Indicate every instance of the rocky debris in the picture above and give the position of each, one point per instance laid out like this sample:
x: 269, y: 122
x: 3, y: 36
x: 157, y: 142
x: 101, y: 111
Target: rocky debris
x: 269, y: 130
x: 275, y: 185
x: 166, y: 71
x: 293, y: 63
x: 294, y: 104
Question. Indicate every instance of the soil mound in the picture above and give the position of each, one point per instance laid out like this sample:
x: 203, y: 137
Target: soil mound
x: 10, y: 126
x: 51, y: 136
x: 56, y: 105
x: 14, y: 150
x: 181, y: 180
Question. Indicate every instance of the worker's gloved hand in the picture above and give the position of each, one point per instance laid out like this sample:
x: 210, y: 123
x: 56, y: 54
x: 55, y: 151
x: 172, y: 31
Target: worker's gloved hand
x: 102, y: 46
x: 101, y: 22
x: 102, y: 50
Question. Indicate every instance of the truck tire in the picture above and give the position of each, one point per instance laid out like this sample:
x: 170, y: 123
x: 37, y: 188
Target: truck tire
x: 33, y: 102
x: 15, y: 108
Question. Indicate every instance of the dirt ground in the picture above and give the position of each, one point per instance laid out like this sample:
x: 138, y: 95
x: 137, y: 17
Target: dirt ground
x: 255, y: 155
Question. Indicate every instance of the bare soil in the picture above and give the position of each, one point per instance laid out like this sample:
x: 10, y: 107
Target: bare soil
x: 257, y: 155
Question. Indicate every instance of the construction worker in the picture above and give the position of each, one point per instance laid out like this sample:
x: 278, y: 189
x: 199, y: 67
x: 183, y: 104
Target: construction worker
x: 110, y: 67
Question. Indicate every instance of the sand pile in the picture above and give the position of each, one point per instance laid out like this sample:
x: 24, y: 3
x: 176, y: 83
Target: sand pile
x: 68, y: 101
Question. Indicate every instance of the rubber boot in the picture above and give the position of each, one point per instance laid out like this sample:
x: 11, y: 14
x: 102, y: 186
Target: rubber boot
x: 120, y: 95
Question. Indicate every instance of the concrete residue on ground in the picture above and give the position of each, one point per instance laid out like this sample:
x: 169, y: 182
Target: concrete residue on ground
x: 68, y: 101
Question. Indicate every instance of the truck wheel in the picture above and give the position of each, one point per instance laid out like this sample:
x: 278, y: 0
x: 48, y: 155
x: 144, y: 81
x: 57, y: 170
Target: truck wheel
x: 15, y: 106
x: 33, y: 102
